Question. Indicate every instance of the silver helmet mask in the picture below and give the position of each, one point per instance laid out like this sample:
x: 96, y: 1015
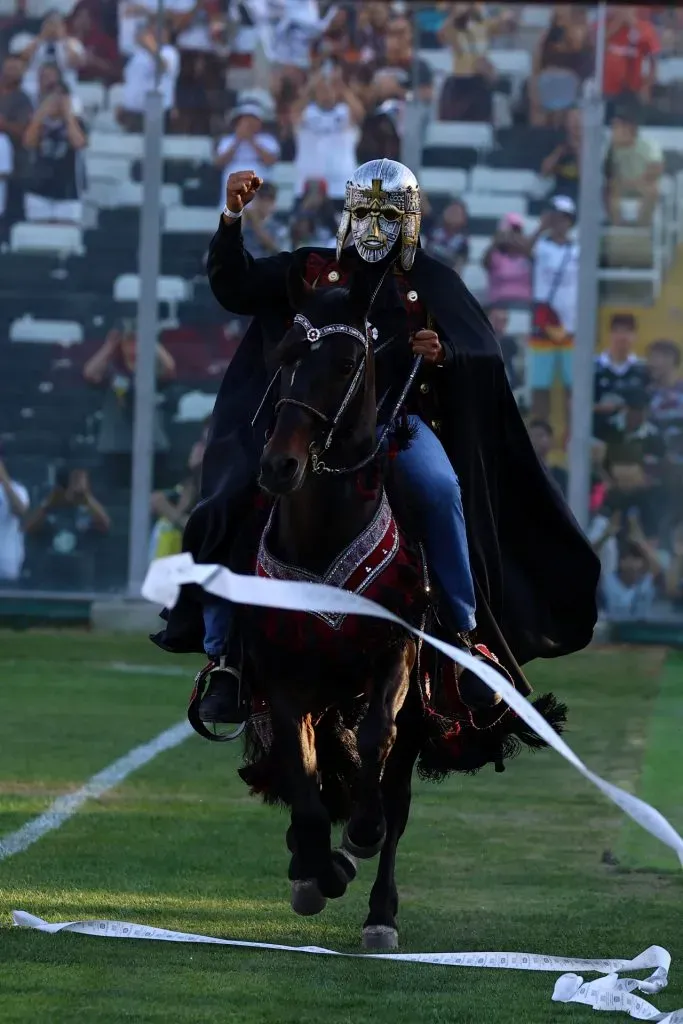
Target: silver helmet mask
x: 381, y: 206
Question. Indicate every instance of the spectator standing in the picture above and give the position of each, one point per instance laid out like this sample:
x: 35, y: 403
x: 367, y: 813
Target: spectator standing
x: 666, y: 400
x: 618, y: 373
x: 246, y: 145
x: 112, y: 368
x: 449, y: 240
x: 53, y: 45
x: 635, y: 438
x: 139, y: 76
x: 500, y: 321
x: 563, y: 59
x: 413, y: 76
x: 54, y: 141
x: 563, y: 163
x: 541, y: 434
x: 100, y: 61
x: 631, y: 49
x: 15, y: 106
x: 629, y: 593
x: 314, y: 221
x: 467, y: 93
x: 14, y: 502
x: 326, y: 133
x: 63, y: 528
x: 508, y: 265
x: 199, y: 30
x: 263, y: 234
x: 555, y: 295
x: 172, y: 507
x: 633, y: 170
x: 132, y: 16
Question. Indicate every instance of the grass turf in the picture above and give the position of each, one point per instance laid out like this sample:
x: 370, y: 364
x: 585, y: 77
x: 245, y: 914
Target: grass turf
x: 492, y: 862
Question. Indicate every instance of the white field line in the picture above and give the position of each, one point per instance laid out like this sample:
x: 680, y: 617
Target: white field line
x: 64, y: 807
x: 146, y: 670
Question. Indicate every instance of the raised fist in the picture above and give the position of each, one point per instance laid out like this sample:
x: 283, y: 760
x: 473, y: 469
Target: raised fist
x: 241, y: 189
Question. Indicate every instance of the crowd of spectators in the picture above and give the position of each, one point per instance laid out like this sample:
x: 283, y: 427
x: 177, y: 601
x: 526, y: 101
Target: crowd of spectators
x: 333, y: 92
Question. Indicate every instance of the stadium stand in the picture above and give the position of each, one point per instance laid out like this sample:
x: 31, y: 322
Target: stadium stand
x: 496, y: 87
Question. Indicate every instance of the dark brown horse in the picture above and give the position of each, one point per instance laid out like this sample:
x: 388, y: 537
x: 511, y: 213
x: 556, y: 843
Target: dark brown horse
x: 344, y: 711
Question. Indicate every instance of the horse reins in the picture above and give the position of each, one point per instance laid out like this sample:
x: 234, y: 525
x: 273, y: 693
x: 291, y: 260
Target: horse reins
x: 314, y: 336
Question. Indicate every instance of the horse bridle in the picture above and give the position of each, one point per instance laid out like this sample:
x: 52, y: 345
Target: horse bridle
x: 314, y: 336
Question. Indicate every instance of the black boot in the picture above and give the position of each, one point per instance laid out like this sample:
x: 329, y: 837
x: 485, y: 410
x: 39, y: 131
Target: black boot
x: 474, y: 692
x: 223, y: 702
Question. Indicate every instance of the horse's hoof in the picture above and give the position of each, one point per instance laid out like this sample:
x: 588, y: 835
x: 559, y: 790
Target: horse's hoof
x: 346, y: 863
x: 361, y: 852
x: 380, y: 936
x: 307, y: 899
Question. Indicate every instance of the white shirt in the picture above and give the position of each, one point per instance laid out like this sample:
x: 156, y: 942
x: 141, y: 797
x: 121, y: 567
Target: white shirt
x: 326, y: 148
x: 245, y: 156
x: 51, y: 53
x: 138, y: 78
x: 6, y: 168
x: 130, y: 24
x: 11, y: 535
x: 556, y: 279
x: 197, y: 35
x: 624, y: 602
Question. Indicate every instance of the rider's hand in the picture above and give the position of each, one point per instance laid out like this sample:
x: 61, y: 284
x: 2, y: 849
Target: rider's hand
x: 427, y: 345
x: 241, y: 189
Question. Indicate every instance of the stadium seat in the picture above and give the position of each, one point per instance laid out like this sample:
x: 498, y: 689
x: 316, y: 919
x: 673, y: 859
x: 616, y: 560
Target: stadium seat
x: 440, y: 61
x: 106, y: 168
x: 503, y: 181
x: 513, y: 63
x: 519, y: 323
x: 105, y: 121
x: 194, y: 407
x: 91, y: 94
x: 169, y: 289
x: 283, y: 175
x: 476, y: 279
x: 459, y: 133
x: 669, y: 70
x: 445, y: 181
x: 191, y: 220
x: 478, y: 246
x: 188, y: 147
x: 129, y: 193
x: 480, y: 204
x: 63, y: 239
x: 120, y: 145
x: 61, y: 332
x: 536, y: 15
x: 668, y: 138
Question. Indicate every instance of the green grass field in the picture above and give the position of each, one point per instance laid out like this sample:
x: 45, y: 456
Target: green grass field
x: 511, y: 862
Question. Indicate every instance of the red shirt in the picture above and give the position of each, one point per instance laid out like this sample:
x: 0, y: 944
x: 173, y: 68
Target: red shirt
x: 626, y: 50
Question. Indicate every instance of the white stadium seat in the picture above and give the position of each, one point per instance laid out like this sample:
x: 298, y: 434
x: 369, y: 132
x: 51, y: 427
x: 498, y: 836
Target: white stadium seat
x: 61, y: 239
x: 478, y: 134
x: 519, y: 323
x: 443, y: 180
x: 481, y: 204
x: 105, y: 121
x: 476, y: 279
x: 169, y: 289
x: 440, y: 61
x: 514, y: 63
x: 129, y: 193
x: 115, y: 96
x: 62, y: 332
x: 188, y: 147
x: 191, y: 220
x: 478, y: 246
x: 503, y: 181
x: 283, y: 174
x: 91, y: 94
x: 536, y: 15
x: 194, y: 407
x: 121, y: 145
x: 669, y: 70
x: 106, y: 168
x: 668, y: 138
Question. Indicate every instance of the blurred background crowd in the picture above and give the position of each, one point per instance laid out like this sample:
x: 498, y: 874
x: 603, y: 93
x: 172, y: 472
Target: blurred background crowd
x: 302, y: 91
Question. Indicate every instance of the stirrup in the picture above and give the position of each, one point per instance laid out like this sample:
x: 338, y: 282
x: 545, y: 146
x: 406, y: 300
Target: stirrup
x: 200, y: 684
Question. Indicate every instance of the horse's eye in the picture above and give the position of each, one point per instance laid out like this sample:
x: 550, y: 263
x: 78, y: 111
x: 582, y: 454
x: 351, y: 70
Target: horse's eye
x: 346, y: 366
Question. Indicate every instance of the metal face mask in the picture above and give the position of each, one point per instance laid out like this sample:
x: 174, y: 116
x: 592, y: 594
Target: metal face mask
x: 382, y: 205
x: 375, y: 222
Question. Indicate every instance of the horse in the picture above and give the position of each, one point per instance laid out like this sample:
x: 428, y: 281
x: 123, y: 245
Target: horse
x: 341, y: 708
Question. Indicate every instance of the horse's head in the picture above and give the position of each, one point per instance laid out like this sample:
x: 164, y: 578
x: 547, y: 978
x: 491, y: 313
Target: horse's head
x: 327, y: 385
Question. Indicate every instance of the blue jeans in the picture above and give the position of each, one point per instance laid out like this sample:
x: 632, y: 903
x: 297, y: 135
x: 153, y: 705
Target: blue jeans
x: 432, y: 482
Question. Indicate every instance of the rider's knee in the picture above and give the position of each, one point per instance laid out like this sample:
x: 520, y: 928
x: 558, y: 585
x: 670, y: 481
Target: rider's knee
x: 445, y: 491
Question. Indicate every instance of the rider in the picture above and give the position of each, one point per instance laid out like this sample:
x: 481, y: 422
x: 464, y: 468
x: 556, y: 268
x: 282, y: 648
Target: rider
x: 468, y: 419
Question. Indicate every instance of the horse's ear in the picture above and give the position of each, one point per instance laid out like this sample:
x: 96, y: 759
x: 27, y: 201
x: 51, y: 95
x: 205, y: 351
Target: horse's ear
x: 299, y: 290
x: 360, y: 294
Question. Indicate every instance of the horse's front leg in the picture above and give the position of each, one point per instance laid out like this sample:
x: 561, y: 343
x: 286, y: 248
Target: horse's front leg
x: 312, y: 871
x: 366, y: 829
x: 380, y: 930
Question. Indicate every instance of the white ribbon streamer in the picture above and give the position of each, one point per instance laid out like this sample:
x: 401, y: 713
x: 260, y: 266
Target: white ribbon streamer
x: 607, y: 993
x: 166, y: 575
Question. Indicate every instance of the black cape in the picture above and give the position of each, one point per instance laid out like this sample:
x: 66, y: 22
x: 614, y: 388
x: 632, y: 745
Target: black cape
x: 535, y: 573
